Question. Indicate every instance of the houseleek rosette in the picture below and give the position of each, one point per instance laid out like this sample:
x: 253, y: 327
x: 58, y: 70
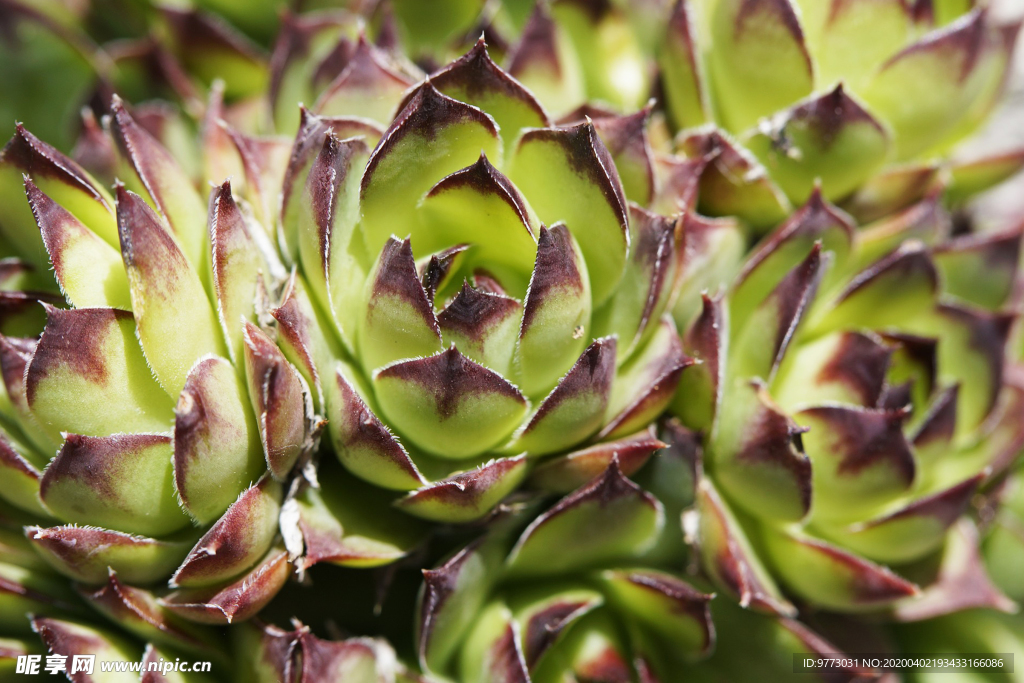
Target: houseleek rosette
x: 856, y: 391
x: 146, y: 439
x: 439, y: 373
x: 590, y: 589
x: 496, y: 296
x: 867, y: 97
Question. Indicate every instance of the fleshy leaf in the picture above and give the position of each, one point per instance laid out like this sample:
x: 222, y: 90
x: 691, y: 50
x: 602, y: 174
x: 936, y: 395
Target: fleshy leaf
x: 572, y: 470
x: 451, y: 600
x: 756, y: 456
x: 475, y: 79
x: 169, y: 188
x: 493, y: 650
x: 609, y: 519
x: 347, y: 523
x: 845, y: 367
x: 831, y: 577
x: 646, y: 285
x: 785, y: 248
x: 665, y: 605
x: 892, y: 291
x: 546, y: 63
x: 137, y: 611
x: 237, y: 265
x: 122, y: 482
x: 682, y: 71
x: 969, y: 178
x: 88, y: 269
x: 911, y: 531
x: 84, y: 553
x: 468, y: 496
x: 327, y: 218
x: 432, y: 137
x: 861, y: 459
x: 217, y: 451
x: 19, y: 483
x: 728, y: 557
x: 892, y: 189
x: 963, y: 581
x: 452, y: 209
x: 399, y: 321
x: 237, y: 601
x: 939, y: 75
x: 830, y: 139
x: 70, y: 638
x: 980, y: 268
x: 368, y: 87
x: 544, y: 616
x: 733, y: 181
x: 760, y: 62
x: 239, y: 538
x: 167, y: 295
x: 700, y: 390
x: 575, y: 409
x: 777, y: 317
x: 448, y: 404
x: 644, y: 386
x: 569, y: 176
x: 485, y: 326
x: 279, y: 400
x: 90, y: 357
x: 67, y: 183
x: 556, y: 313
x: 364, y: 444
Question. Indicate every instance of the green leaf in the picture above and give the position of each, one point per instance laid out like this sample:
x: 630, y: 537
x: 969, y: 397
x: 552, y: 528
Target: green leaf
x: 448, y: 405
x: 87, y: 358
x: 760, y: 62
x: 432, y: 137
x: 167, y: 295
x: 217, y: 450
x: 569, y: 176
x: 88, y: 269
x: 607, y: 520
x: 122, y: 482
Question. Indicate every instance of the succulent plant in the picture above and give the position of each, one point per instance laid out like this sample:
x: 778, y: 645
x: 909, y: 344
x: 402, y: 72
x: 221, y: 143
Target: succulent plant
x: 481, y: 289
x: 866, y: 97
x: 531, y: 320
x: 857, y: 388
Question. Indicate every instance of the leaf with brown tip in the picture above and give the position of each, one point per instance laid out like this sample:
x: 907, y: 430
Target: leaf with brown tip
x: 575, y: 408
x: 831, y: 576
x: 861, y: 459
x: 468, y: 496
x: 241, y: 536
x: 609, y: 519
x: 728, y: 557
x: 570, y: 177
x: 167, y: 295
x: 237, y: 601
x: 449, y: 405
x: 279, y: 400
x: 139, y: 612
x: 169, y: 188
x: 556, y: 313
x: 90, y: 357
x: 85, y: 554
x: 88, y: 269
x: 572, y: 470
x: 121, y: 482
x: 399, y: 320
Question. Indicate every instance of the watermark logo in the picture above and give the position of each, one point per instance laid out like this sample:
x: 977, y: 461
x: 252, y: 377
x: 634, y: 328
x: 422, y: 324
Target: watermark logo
x: 86, y: 664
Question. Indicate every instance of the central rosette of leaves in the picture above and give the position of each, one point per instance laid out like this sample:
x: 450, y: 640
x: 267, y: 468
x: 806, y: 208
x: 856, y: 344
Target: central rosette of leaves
x: 495, y: 295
